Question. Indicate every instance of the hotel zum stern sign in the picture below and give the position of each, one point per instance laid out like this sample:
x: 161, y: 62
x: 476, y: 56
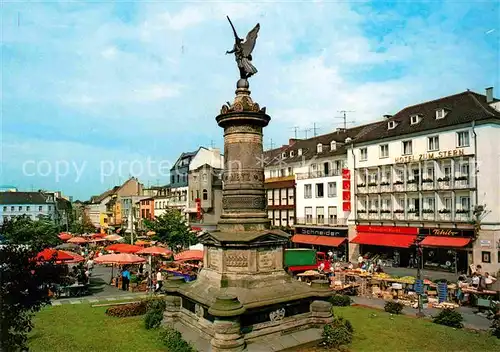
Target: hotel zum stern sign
x: 430, y: 156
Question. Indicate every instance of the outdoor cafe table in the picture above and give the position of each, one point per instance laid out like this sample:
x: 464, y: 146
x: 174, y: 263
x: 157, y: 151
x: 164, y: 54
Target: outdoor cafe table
x: 74, y: 290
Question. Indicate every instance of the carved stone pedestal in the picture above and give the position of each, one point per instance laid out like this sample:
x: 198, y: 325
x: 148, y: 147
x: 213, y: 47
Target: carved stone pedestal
x: 171, y: 312
x: 322, y: 313
x: 227, y: 331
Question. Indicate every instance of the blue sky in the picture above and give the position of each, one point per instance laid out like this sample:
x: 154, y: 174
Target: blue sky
x: 93, y: 90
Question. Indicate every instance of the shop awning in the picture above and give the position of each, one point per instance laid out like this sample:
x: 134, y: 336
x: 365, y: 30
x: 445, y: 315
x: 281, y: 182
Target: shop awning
x: 438, y: 241
x: 386, y: 240
x: 319, y: 240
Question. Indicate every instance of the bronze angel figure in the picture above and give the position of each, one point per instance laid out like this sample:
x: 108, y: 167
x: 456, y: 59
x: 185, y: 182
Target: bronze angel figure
x: 242, y: 51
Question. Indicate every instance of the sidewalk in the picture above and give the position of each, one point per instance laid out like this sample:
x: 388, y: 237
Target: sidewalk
x: 426, y: 274
x: 99, y: 299
x: 471, y: 320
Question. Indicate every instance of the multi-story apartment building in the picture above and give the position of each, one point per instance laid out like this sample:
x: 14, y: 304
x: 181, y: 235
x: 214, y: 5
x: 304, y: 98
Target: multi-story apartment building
x: 146, y: 209
x: 130, y: 208
x: 160, y: 205
x: 303, y: 182
x: 176, y: 193
x: 279, y: 182
x: 177, y: 190
x: 35, y: 205
x: 430, y: 172
x: 205, y: 196
x: 105, y: 209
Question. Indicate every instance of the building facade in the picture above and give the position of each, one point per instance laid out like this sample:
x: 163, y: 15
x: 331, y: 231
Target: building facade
x: 146, y: 209
x: 279, y: 183
x: 130, y: 208
x: 35, y: 205
x: 430, y: 173
x: 105, y: 210
x: 205, y: 196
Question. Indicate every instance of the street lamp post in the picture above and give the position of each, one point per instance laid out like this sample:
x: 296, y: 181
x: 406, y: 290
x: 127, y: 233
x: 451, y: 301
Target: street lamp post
x: 420, y: 314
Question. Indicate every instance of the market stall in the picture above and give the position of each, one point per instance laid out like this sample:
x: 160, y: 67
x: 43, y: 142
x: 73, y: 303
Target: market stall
x: 439, y: 294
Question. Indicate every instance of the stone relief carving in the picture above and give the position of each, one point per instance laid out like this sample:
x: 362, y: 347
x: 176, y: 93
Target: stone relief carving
x: 238, y: 259
x: 198, y: 310
x: 259, y: 203
x: 213, y: 259
x: 237, y: 202
x: 266, y: 260
x: 243, y: 129
x: 277, y: 315
x: 244, y: 176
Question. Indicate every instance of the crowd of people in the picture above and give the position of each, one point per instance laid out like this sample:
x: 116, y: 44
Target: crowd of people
x: 153, y: 281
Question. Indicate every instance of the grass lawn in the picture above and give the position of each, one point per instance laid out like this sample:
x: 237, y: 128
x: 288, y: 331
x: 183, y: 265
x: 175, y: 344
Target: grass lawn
x: 379, y: 331
x: 79, y: 327
x: 75, y: 328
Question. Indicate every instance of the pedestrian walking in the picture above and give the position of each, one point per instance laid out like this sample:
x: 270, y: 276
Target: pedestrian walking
x: 125, y: 279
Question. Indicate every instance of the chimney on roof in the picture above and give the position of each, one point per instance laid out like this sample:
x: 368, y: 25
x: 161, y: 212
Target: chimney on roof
x: 291, y: 141
x: 489, y: 95
x: 387, y: 116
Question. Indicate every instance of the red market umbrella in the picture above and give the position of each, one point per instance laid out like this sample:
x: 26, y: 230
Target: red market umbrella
x: 77, y: 258
x: 49, y: 254
x: 155, y: 251
x: 113, y: 238
x: 78, y: 240
x: 123, y: 248
x: 192, y: 254
x: 142, y: 243
x: 121, y: 258
x: 98, y: 235
x: 64, y: 236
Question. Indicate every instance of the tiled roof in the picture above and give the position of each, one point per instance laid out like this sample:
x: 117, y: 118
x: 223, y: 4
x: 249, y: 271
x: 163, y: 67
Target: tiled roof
x: 23, y: 198
x: 461, y: 108
x: 309, y: 146
x: 102, y: 196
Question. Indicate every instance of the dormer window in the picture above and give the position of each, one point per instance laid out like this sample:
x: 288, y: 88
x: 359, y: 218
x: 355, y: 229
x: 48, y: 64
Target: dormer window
x: 299, y: 152
x: 292, y: 154
x: 414, y: 119
x: 440, y: 114
x: 283, y: 155
x: 391, y: 125
x: 319, y: 148
x: 333, y: 145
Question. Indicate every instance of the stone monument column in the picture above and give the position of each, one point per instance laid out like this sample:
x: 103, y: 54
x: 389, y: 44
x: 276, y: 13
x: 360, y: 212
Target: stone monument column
x: 244, y: 198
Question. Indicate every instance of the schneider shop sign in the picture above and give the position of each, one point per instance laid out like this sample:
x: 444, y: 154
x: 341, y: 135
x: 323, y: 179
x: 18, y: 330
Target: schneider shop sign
x: 430, y: 156
x: 320, y: 231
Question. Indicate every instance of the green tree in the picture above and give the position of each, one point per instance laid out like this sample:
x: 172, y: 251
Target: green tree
x: 24, y: 282
x: 39, y: 234
x: 172, y: 228
x: 83, y: 225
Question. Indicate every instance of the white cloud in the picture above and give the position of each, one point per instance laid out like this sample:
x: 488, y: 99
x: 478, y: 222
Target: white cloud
x: 156, y: 92
x: 187, y: 17
x: 109, y: 53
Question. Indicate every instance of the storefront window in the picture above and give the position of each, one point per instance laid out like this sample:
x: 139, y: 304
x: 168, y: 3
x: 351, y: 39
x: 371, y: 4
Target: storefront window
x: 444, y: 259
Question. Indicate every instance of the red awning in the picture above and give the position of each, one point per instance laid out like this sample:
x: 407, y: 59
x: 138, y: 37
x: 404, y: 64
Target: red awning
x: 319, y: 240
x: 386, y: 240
x: 437, y: 241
